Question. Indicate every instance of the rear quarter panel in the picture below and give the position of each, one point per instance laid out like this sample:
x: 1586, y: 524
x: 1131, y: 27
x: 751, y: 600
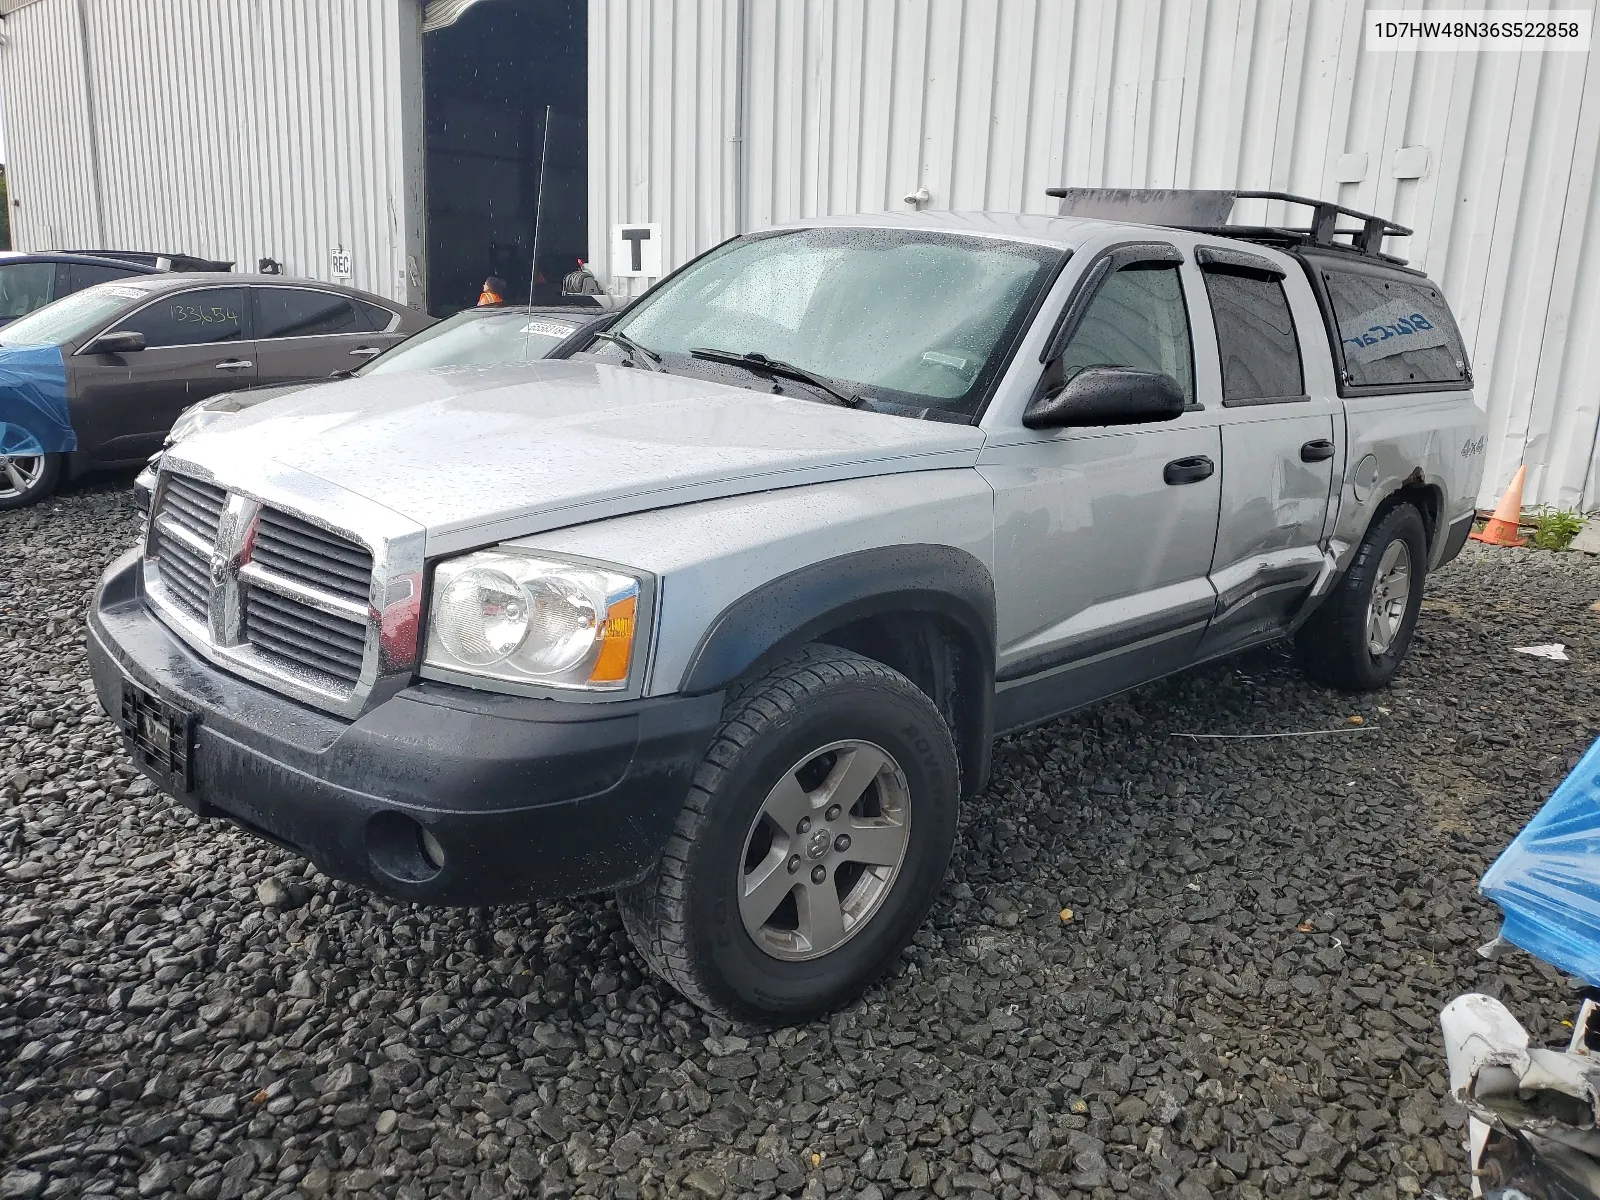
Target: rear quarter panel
x: 1432, y: 438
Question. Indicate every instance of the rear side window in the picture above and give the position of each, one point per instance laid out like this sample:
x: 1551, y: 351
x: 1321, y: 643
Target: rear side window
x: 1394, y: 332
x: 1255, y: 337
x: 378, y: 318
x: 190, y: 318
x: 300, y: 312
x: 85, y: 275
x: 1136, y: 319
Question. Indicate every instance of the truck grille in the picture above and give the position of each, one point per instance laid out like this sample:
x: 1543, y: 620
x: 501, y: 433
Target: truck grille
x: 181, y: 535
x: 299, y: 550
x: 298, y: 636
x: 271, y: 591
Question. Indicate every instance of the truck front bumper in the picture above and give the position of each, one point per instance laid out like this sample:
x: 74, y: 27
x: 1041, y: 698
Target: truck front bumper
x: 441, y: 795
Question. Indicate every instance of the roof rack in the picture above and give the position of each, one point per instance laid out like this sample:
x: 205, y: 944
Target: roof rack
x: 1203, y: 211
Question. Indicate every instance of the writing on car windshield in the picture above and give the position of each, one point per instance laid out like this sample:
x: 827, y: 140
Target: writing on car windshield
x: 910, y: 316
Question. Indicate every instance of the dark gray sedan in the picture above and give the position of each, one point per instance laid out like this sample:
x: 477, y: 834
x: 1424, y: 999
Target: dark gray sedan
x: 97, y: 378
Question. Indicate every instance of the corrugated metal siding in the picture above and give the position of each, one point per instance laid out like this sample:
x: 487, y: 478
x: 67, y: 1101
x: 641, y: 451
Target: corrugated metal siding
x: 851, y: 104
x: 235, y: 129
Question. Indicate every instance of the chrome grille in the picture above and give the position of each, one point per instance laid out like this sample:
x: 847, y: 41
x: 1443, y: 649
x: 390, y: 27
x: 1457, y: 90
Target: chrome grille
x: 285, y: 598
x: 297, y: 636
x: 182, y: 532
x: 299, y: 550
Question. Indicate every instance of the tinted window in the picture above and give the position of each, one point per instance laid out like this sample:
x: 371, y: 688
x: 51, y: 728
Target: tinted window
x: 300, y: 312
x: 25, y: 287
x: 85, y: 275
x: 1255, y: 336
x: 1393, y: 331
x: 1136, y: 319
x: 378, y: 317
x: 190, y: 318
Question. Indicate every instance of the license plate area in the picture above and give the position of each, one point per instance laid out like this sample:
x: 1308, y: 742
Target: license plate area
x: 160, y: 738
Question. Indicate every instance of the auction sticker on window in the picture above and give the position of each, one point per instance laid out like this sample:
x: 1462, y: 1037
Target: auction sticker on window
x: 555, y: 329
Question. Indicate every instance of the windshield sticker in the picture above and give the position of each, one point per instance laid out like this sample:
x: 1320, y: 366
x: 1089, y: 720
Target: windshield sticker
x: 555, y: 329
x: 945, y: 360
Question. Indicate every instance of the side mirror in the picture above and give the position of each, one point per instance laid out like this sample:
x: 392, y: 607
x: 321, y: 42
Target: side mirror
x: 122, y: 341
x: 1107, y: 396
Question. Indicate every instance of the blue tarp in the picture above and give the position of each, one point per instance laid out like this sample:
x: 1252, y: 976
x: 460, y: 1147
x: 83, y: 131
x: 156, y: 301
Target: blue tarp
x: 1548, y: 879
x: 33, y: 401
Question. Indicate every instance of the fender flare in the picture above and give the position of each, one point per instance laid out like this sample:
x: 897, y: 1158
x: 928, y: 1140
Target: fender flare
x: 792, y: 610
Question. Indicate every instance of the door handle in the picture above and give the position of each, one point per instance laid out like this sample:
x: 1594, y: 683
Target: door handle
x: 1316, y: 450
x: 366, y: 351
x: 235, y: 364
x: 1189, y: 470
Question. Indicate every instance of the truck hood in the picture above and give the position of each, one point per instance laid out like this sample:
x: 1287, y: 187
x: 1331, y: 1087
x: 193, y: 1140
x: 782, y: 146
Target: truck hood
x: 478, y: 454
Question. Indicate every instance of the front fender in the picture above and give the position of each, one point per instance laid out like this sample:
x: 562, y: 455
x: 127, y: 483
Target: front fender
x: 794, y: 609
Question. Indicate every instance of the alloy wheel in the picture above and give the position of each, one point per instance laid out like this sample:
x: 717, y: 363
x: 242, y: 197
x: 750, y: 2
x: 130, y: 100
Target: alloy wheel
x: 19, y: 473
x: 1391, y: 592
x: 823, y: 853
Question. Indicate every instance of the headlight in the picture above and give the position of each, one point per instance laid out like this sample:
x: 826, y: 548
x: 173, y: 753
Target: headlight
x: 524, y: 619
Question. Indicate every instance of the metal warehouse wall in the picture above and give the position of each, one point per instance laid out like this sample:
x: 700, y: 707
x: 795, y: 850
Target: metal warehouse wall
x: 848, y: 105
x: 235, y: 129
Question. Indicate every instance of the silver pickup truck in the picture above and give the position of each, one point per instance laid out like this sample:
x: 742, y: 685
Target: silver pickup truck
x: 724, y: 611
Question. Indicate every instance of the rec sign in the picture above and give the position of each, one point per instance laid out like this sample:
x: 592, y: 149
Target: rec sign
x: 636, y: 251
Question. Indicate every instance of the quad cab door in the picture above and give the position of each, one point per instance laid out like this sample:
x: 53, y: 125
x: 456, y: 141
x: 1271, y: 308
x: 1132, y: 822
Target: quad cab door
x: 196, y: 344
x: 1104, y: 536
x: 1282, y: 446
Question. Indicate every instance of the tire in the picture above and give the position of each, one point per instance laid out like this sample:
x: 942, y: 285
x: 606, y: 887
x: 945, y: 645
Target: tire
x: 1337, y: 645
x: 27, y: 479
x: 814, y: 721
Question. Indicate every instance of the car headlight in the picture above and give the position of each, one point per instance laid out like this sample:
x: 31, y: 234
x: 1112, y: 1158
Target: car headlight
x: 500, y: 614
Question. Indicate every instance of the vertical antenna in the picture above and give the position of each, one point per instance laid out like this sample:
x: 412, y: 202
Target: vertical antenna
x: 538, y: 206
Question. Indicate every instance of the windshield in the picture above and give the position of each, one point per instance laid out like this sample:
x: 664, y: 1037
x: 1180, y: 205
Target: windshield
x: 911, y: 316
x: 70, y: 317
x: 471, y: 339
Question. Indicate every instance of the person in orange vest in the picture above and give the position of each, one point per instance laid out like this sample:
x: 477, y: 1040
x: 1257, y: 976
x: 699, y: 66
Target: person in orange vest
x: 494, y: 292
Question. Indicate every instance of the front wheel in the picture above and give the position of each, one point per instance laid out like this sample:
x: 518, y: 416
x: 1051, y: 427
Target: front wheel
x: 27, y: 478
x: 813, y: 841
x: 1358, y: 638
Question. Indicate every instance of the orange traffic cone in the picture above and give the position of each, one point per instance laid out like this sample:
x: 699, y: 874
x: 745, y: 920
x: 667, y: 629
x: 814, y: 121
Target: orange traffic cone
x: 1502, y: 527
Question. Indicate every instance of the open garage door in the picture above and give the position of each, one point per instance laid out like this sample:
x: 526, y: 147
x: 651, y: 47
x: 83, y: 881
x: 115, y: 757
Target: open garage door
x: 491, y: 74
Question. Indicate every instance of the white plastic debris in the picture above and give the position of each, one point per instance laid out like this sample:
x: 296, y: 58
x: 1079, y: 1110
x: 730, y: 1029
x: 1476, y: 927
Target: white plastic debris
x: 1507, y: 1087
x: 1555, y: 651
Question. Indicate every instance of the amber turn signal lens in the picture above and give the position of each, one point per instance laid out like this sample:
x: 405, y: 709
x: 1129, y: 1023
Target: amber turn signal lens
x: 616, y: 642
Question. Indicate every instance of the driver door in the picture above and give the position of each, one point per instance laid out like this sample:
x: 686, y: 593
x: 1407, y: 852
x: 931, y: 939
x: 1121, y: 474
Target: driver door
x: 196, y: 345
x: 1104, y: 536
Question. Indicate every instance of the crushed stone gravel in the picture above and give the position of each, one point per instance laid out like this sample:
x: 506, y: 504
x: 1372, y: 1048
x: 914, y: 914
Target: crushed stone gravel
x: 1241, y: 1001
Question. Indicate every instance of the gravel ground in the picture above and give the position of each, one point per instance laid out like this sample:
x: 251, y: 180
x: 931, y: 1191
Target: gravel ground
x: 1243, y: 1001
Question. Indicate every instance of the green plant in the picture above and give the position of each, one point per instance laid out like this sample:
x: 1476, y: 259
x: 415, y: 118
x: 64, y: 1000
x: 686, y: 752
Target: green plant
x: 1554, y: 528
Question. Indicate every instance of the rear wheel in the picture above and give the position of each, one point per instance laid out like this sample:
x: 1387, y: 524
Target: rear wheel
x: 814, y: 839
x: 27, y: 478
x: 1357, y: 640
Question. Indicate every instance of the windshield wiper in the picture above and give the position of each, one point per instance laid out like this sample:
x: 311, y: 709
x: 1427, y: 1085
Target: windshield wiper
x: 634, y: 349
x: 759, y: 364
